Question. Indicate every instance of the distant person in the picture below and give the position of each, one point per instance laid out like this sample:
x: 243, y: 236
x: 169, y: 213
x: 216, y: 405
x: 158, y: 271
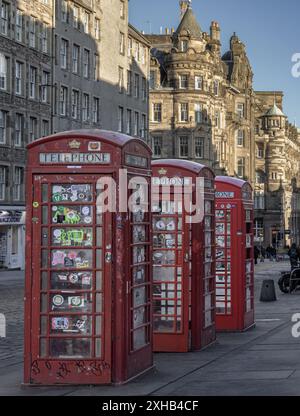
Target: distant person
x: 293, y: 254
x: 268, y: 252
x: 262, y: 254
x: 256, y: 254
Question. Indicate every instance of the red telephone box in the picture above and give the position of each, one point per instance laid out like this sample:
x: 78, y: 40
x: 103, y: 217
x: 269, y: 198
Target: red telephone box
x: 183, y: 259
x: 88, y: 317
x: 234, y: 255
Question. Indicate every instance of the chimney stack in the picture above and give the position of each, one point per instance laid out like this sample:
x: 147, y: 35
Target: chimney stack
x: 215, y: 31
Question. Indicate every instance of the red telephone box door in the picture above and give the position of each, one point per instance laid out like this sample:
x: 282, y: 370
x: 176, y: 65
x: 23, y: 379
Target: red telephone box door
x: 171, y: 277
x: 71, y: 287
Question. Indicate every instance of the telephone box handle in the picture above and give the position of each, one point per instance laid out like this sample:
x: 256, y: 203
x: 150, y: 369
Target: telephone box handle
x: 186, y: 258
x: 108, y: 257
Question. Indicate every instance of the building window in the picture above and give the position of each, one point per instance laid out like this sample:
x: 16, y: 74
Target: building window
x: 122, y: 9
x: 120, y: 119
x: 97, y: 29
x: 121, y: 79
x: 86, y: 107
x: 274, y: 176
x: 33, y: 129
x: 157, y: 112
x: 4, y: 17
x: 259, y: 177
x: 96, y: 110
x: 64, y: 53
x: 45, y: 128
x: 216, y: 87
x: 32, y: 34
x: 143, y: 55
x: 3, y: 174
x: 19, y: 127
x: 157, y: 146
x: 217, y: 119
x: 96, y: 67
x: 198, y: 113
x: 136, y: 123
x: 241, y: 167
x: 152, y: 80
x: 136, y: 85
x: 198, y: 82
x: 75, y: 104
x: 199, y: 147
x: 183, y: 81
x: 32, y: 82
x: 258, y: 225
x: 19, y: 25
x: 45, y: 39
x: 3, y: 72
x: 136, y: 51
x: 240, y: 110
x: 143, y: 126
x: 128, y: 122
x: 19, y: 77
x: 260, y: 151
x: 241, y: 138
x: 64, y: 11
x: 3, y: 126
x: 45, y: 87
x: 129, y: 48
x: 184, y: 45
x: 76, y: 17
x: 86, y: 63
x: 75, y: 58
x: 129, y: 82
x: 63, y: 101
x: 122, y: 43
x: 259, y: 200
x: 184, y: 112
x: 86, y: 22
x: 183, y: 147
x: 18, y: 182
x: 144, y: 89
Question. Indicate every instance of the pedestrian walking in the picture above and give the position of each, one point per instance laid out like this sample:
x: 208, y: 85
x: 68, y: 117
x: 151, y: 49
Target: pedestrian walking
x: 293, y: 254
x: 256, y: 254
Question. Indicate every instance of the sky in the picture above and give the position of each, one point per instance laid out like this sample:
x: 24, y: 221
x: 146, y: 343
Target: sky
x: 270, y: 29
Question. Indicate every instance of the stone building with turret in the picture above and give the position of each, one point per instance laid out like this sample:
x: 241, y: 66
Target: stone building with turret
x: 277, y: 161
x: 203, y: 108
x: 201, y: 103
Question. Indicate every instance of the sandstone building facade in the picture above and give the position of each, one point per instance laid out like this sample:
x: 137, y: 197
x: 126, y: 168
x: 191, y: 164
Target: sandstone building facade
x: 203, y: 108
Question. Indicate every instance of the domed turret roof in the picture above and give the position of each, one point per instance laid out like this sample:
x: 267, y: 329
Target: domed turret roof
x: 274, y: 112
x: 190, y: 24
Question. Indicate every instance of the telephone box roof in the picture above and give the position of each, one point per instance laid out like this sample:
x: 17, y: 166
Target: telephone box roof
x: 238, y: 183
x: 188, y: 165
x: 111, y: 137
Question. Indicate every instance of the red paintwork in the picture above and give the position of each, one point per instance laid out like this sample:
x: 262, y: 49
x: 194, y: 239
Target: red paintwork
x: 119, y: 361
x: 239, y: 318
x: 193, y: 334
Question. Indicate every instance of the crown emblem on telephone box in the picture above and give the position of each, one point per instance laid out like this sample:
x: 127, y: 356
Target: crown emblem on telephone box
x: 162, y: 171
x: 74, y: 144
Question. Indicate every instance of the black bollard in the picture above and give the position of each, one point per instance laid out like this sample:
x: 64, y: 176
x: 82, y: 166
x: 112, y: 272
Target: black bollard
x: 268, y: 293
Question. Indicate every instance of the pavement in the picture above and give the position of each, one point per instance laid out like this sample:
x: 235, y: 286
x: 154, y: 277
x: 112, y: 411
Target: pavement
x: 262, y: 361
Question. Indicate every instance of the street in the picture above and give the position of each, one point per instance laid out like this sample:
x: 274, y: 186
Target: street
x: 262, y: 361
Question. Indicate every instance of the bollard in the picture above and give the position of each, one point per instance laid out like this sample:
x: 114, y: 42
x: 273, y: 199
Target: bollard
x: 268, y: 293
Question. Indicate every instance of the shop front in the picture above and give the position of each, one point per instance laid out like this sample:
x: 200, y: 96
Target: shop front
x: 88, y: 313
x: 12, y: 237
